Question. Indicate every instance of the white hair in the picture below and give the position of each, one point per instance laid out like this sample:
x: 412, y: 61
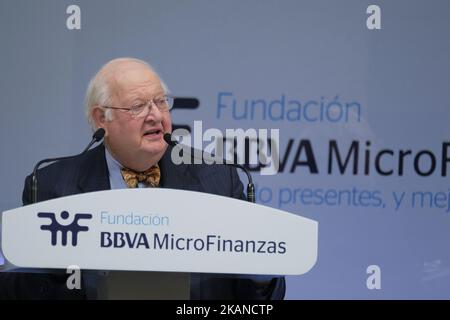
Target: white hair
x: 98, y: 91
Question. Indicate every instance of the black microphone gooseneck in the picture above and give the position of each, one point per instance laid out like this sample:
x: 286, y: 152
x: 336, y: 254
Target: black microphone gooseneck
x: 191, y: 152
x: 97, y: 136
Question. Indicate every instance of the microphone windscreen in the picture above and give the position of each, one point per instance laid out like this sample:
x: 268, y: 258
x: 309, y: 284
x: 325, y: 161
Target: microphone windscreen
x: 168, y: 139
x: 99, y: 134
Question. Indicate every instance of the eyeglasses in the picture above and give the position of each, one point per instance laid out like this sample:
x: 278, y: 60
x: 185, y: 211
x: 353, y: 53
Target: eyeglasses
x: 142, y: 110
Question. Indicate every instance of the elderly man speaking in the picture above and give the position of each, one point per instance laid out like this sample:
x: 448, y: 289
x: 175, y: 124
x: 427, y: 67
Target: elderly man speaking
x: 129, y: 101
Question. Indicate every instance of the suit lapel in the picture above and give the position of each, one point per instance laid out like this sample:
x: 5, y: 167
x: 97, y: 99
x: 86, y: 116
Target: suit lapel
x: 177, y: 176
x: 94, y: 171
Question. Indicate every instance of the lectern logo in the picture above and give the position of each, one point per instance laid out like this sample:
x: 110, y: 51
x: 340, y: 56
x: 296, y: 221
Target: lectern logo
x: 55, y: 227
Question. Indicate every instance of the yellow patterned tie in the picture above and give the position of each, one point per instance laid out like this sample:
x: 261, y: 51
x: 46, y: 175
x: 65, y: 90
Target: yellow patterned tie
x: 150, y: 177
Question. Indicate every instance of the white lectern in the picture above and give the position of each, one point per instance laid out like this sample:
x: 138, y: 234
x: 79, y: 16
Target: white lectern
x: 146, y: 242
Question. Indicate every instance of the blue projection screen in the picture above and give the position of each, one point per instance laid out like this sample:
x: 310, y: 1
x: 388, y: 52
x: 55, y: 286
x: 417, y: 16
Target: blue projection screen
x: 359, y: 94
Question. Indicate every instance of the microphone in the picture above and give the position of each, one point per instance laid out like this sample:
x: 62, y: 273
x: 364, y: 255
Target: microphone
x: 97, y: 136
x: 193, y: 153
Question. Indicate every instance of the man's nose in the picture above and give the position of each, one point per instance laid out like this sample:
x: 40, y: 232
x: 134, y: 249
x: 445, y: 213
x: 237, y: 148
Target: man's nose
x: 154, y: 114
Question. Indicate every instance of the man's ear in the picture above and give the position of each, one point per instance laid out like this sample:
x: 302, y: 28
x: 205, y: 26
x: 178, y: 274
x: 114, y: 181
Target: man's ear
x: 98, y: 117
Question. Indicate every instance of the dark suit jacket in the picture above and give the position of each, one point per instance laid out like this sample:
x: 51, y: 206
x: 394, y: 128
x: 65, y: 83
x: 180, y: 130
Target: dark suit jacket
x: 88, y: 173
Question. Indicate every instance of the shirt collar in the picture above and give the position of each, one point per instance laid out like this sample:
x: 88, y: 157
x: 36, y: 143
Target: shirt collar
x: 113, y: 165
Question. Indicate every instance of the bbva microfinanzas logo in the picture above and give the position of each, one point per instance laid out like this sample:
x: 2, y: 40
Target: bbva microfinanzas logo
x: 55, y: 227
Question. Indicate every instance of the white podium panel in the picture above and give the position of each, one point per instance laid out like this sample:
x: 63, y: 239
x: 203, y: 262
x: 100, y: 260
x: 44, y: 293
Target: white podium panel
x: 159, y: 230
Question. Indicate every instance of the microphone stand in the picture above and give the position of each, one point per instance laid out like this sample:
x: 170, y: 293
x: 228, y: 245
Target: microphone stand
x: 250, y: 185
x: 97, y: 136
